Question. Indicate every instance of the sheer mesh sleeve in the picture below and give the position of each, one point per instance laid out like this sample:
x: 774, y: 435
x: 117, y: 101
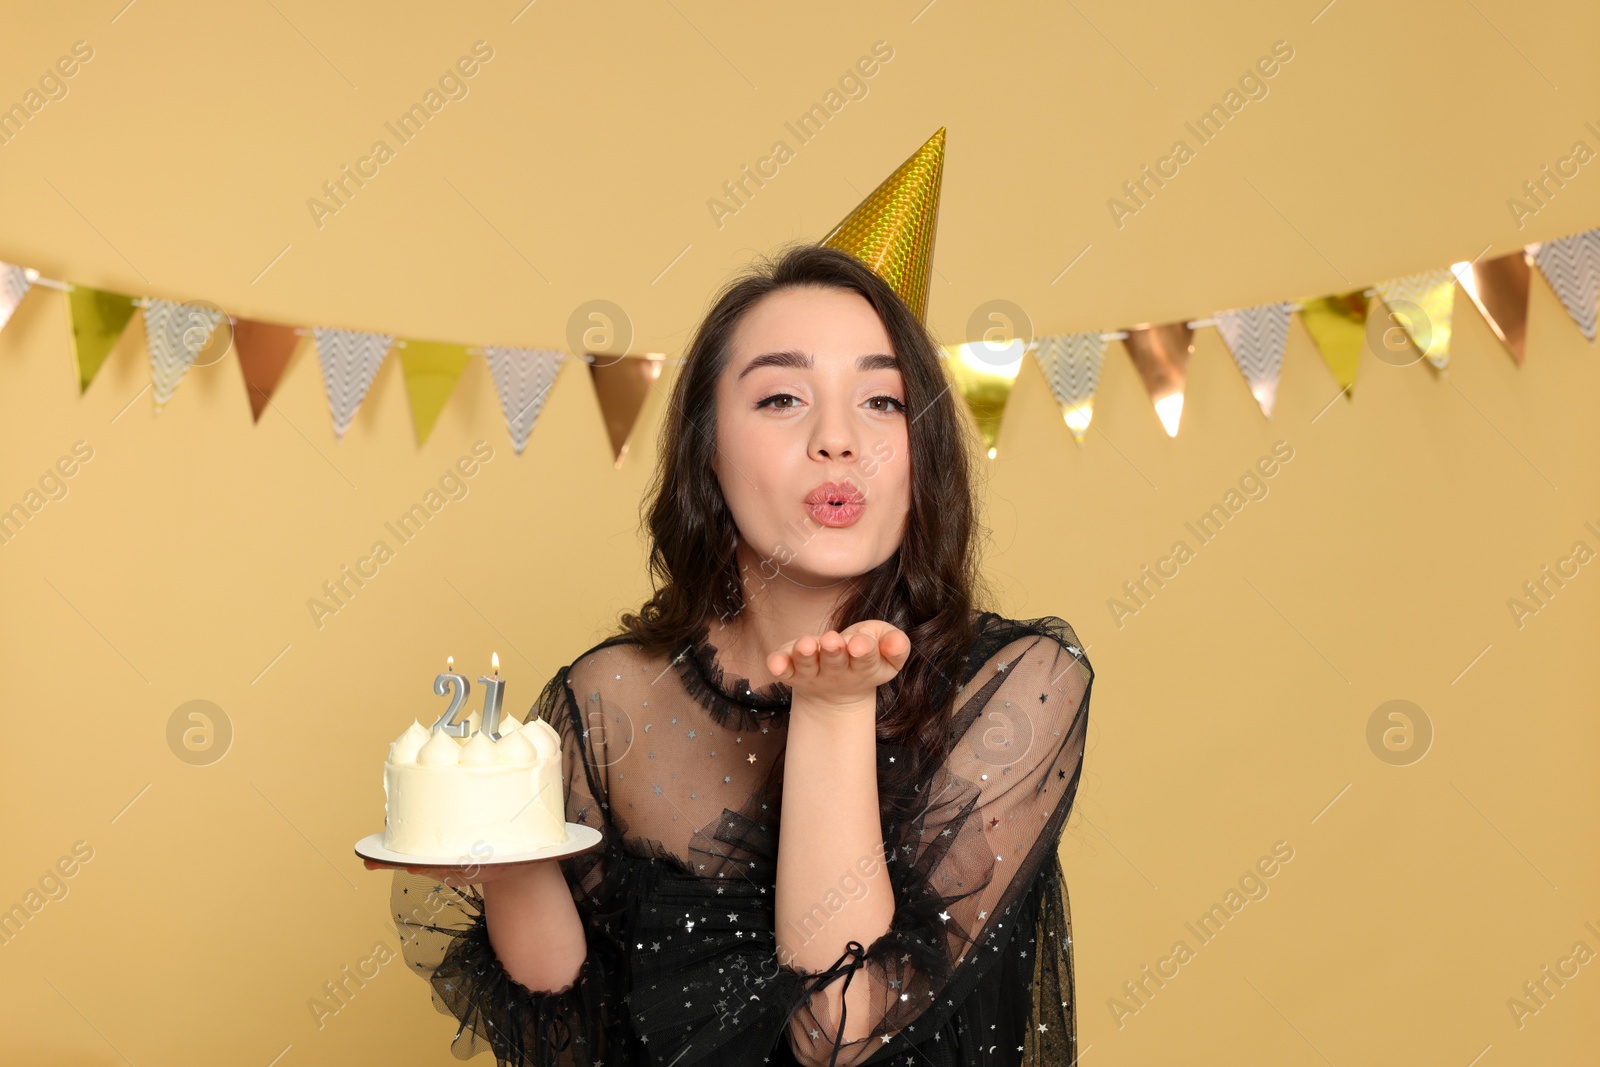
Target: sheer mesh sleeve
x: 978, y: 956
x: 445, y: 938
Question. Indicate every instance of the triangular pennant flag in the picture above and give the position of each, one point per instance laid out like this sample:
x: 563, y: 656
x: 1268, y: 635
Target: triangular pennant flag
x: 350, y: 360
x: 175, y: 334
x: 1572, y: 267
x: 98, y: 319
x: 1255, y: 336
x: 264, y: 351
x: 1499, y: 288
x: 1161, y: 356
x: 1071, y: 365
x: 14, y: 284
x: 622, y: 383
x: 1422, y: 304
x: 1338, y: 327
x: 431, y: 369
x: 523, y: 378
x: 984, y: 373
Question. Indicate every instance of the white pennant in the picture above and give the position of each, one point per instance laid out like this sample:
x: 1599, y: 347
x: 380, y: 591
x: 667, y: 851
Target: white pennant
x: 14, y: 284
x: 350, y: 360
x: 1572, y: 267
x: 522, y: 377
x: 1071, y: 365
x: 1256, y: 337
x: 175, y: 333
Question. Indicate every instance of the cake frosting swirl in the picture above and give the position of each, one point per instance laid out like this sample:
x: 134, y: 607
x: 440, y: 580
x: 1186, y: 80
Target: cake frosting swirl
x: 474, y: 797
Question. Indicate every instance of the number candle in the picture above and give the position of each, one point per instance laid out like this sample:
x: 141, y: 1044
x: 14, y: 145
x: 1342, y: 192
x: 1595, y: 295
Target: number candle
x: 494, y: 690
x: 444, y: 683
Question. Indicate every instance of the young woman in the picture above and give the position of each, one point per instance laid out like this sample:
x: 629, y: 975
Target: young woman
x: 831, y: 788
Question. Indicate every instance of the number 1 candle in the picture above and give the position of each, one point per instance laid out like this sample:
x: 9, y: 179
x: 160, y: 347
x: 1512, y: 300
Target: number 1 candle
x: 493, y: 693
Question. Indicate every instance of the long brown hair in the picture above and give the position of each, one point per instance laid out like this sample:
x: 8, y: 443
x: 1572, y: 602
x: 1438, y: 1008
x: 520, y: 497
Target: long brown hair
x: 931, y: 587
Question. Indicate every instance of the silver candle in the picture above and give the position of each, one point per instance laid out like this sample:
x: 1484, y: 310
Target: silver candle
x: 458, y: 687
x: 494, y: 690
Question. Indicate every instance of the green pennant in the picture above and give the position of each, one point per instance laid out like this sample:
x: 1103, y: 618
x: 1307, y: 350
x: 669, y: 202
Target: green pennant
x: 431, y: 369
x: 98, y: 319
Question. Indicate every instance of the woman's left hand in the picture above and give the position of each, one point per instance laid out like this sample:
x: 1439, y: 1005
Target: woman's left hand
x: 843, y: 669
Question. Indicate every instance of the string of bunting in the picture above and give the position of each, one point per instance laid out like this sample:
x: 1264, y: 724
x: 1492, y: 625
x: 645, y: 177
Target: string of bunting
x: 180, y: 335
x: 1416, y: 328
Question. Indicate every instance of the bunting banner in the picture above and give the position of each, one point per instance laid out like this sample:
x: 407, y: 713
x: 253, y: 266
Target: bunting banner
x: 1161, y: 356
x: 98, y: 319
x: 1421, y: 304
x: 1499, y: 289
x: 621, y: 385
x: 176, y: 335
x: 984, y: 373
x: 522, y: 378
x: 1071, y: 366
x: 431, y: 369
x: 264, y: 351
x: 350, y: 361
x: 1415, y: 323
x: 1572, y: 267
x: 1338, y: 327
x: 1255, y: 337
x: 14, y: 284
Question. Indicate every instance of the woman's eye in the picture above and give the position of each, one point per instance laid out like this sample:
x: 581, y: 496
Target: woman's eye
x: 774, y: 401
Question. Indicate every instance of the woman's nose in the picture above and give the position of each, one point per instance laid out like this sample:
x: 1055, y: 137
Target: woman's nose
x: 833, y: 434
x: 832, y: 444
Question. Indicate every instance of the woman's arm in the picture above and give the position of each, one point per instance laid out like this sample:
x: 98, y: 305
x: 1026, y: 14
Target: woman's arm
x: 984, y: 829
x: 534, y: 927
x: 829, y: 845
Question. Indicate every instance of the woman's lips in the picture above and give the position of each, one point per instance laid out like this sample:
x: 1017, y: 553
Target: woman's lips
x: 836, y: 514
x: 836, y: 503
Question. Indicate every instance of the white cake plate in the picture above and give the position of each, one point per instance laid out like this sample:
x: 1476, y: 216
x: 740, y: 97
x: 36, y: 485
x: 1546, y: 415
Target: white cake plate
x: 580, y: 838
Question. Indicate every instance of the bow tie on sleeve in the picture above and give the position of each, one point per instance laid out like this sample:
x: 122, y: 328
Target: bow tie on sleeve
x: 849, y: 961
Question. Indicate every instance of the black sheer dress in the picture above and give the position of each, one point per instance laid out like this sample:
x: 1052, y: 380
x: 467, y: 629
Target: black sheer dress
x: 677, y: 899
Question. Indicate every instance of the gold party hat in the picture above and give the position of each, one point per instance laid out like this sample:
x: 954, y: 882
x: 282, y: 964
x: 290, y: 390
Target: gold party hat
x: 892, y: 230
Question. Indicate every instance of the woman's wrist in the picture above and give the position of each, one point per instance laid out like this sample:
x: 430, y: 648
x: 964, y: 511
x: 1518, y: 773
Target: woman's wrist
x: 534, y: 927
x: 833, y: 711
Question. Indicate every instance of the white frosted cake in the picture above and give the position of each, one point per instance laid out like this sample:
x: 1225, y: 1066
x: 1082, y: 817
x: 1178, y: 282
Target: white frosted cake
x: 475, y: 797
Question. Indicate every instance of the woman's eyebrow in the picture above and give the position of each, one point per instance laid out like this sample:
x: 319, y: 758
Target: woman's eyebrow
x: 804, y: 361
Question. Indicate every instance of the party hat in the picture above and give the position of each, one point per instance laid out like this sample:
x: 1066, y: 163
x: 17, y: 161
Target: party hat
x: 892, y: 230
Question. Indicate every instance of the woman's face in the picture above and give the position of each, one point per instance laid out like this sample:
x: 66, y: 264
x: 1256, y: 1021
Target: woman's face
x: 812, y: 395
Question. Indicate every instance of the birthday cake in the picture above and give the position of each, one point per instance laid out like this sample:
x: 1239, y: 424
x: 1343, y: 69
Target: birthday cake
x: 479, y: 796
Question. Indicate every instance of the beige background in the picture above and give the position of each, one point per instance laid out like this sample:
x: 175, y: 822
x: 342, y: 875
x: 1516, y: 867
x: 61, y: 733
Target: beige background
x: 1230, y: 714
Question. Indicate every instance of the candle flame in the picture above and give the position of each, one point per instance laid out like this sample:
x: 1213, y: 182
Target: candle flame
x: 494, y: 657
x: 450, y: 663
